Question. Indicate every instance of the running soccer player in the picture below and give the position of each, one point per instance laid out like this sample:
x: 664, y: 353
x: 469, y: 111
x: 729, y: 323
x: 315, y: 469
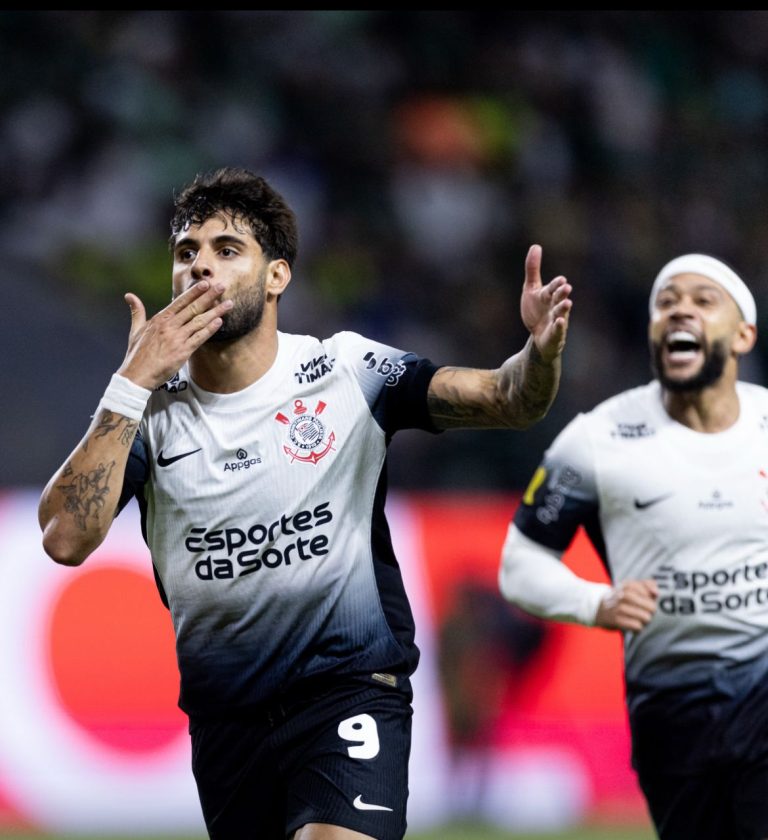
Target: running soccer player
x: 670, y: 481
x: 257, y: 458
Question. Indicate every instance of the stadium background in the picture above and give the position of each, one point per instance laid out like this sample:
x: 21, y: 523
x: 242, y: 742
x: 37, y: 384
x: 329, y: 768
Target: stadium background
x: 423, y: 152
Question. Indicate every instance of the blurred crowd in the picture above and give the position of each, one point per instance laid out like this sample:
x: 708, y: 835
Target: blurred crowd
x: 423, y: 152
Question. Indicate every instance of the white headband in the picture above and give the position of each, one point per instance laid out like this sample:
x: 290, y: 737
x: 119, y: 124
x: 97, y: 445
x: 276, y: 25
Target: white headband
x: 714, y: 270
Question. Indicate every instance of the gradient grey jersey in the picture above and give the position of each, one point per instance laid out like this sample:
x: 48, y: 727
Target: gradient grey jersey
x: 264, y: 517
x: 662, y: 501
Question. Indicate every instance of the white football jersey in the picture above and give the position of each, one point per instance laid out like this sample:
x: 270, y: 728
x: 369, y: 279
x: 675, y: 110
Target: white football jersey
x: 662, y: 501
x: 264, y: 514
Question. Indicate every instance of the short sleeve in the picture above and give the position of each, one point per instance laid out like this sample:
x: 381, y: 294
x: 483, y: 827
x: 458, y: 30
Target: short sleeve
x: 394, y: 383
x: 136, y: 472
x: 562, y: 495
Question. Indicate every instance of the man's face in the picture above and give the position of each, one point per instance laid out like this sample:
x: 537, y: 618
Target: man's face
x: 223, y: 250
x: 693, y: 327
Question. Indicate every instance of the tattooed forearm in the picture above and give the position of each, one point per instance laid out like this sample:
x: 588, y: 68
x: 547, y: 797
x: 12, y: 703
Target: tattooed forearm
x: 80, y: 502
x: 85, y: 493
x: 454, y: 398
x: 528, y: 384
x: 514, y: 396
x: 110, y: 422
x: 465, y: 398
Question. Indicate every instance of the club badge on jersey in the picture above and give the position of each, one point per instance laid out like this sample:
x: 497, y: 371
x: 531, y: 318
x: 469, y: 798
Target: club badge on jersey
x: 310, y: 440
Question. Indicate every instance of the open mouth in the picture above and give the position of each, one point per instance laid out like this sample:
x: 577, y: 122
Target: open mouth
x: 682, y: 346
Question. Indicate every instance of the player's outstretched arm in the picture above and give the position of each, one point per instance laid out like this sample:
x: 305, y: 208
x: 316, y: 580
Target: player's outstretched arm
x: 80, y: 501
x: 520, y: 392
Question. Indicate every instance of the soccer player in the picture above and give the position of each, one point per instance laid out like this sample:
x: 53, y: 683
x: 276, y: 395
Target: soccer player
x: 670, y: 481
x: 257, y: 458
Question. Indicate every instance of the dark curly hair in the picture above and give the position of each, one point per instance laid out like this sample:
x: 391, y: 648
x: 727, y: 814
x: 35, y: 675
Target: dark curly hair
x: 246, y: 198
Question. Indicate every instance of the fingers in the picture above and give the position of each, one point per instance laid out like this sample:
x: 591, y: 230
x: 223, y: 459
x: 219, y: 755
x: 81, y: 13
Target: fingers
x: 650, y: 586
x: 629, y: 606
x: 533, y: 268
x: 560, y: 306
x: 636, y: 604
x: 562, y: 310
x: 193, y: 311
x: 158, y: 347
x: 558, y: 290
x: 196, y: 299
x: 201, y: 327
x: 632, y: 618
x: 551, y: 340
x: 638, y: 592
x: 138, y: 313
x: 200, y: 336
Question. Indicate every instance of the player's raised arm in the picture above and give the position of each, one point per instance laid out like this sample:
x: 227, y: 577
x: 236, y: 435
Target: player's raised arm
x: 80, y: 501
x: 521, y: 391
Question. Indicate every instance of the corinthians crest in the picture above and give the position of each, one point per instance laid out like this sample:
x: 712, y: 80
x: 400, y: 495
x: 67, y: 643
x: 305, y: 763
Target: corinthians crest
x: 307, y: 433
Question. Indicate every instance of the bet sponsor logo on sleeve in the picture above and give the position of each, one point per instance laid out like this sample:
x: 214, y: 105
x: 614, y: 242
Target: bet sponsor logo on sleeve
x: 390, y: 370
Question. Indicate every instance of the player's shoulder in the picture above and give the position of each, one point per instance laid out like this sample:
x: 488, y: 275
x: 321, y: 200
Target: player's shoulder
x: 635, y: 413
x: 366, y: 354
x: 345, y: 341
x: 753, y: 393
x: 293, y: 346
x: 321, y: 355
x: 591, y: 436
x: 351, y: 342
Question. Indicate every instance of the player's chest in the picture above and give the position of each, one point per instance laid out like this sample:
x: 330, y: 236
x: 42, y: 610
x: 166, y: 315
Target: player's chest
x: 688, y: 493
x: 273, y: 449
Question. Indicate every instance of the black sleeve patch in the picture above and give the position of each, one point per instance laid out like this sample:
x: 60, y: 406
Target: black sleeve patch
x: 554, y: 506
x: 403, y: 403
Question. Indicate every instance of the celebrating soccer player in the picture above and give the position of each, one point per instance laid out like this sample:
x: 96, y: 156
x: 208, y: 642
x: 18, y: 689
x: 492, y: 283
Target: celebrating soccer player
x: 257, y: 458
x: 670, y: 481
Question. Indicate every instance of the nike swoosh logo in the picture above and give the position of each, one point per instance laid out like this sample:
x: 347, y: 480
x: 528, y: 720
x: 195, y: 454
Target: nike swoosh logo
x: 166, y: 462
x: 364, y: 806
x: 646, y: 504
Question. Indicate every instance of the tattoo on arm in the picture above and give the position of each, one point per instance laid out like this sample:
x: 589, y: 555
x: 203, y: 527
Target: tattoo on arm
x: 86, y: 484
x: 444, y: 413
x: 529, y: 385
x: 515, y: 396
x: 462, y: 401
x: 110, y: 422
x: 85, y: 494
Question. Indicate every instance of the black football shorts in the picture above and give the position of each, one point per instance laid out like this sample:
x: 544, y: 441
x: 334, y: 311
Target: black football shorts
x: 702, y: 756
x: 340, y: 757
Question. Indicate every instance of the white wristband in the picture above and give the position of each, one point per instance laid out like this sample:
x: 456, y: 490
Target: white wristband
x: 124, y: 397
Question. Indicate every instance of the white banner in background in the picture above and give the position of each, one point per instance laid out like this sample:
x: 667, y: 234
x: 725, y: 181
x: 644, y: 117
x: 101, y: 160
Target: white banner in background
x: 57, y: 774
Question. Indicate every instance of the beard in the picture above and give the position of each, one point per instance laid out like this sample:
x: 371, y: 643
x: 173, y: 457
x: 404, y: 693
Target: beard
x: 246, y: 313
x: 715, y: 357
